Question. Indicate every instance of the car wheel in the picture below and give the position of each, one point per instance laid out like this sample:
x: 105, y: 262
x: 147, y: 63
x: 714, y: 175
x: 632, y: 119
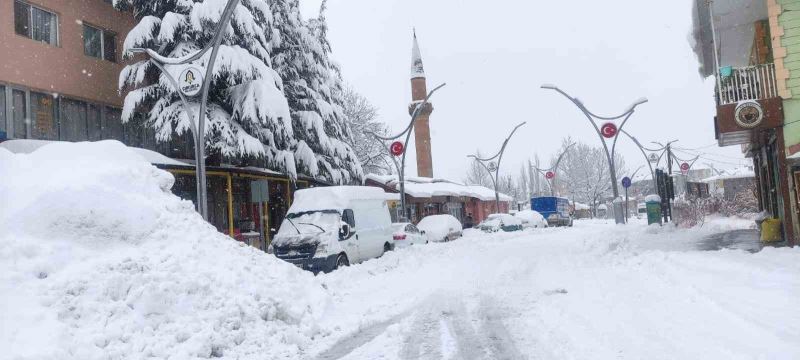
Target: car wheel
x: 387, y: 247
x: 342, y: 261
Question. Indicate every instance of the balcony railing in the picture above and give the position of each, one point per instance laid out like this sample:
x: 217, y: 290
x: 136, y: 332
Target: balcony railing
x: 746, y: 83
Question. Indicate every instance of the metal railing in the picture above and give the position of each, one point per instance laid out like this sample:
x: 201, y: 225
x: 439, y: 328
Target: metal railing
x: 755, y: 82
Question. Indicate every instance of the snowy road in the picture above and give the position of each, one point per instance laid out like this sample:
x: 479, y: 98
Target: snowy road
x: 594, y: 291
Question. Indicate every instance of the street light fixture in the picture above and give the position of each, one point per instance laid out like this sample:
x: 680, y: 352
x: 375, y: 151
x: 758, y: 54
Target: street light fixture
x: 646, y: 158
x: 607, y: 132
x: 407, y: 133
x: 495, y: 166
x: 198, y: 129
x: 553, y: 169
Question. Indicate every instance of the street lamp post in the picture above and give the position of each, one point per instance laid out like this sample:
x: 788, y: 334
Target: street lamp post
x: 607, y: 132
x: 553, y: 169
x: 198, y: 129
x: 407, y: 132
x: 646, y: 158
x: 495, y: 166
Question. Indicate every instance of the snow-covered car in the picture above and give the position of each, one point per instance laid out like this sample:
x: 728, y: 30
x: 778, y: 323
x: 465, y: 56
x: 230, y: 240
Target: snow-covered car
x: 531, y: 219
x: 406, y: 234
x: 442, y: 227
x: 330, y: 227
x: 497, y: 222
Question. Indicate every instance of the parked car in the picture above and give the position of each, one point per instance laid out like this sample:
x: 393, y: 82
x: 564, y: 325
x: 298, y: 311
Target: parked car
x: 329, y: 227
x: 497, y: 222
x: 554, y: 209
x: 531, y: 219
x: 442, y: 227
x: 407, y: 234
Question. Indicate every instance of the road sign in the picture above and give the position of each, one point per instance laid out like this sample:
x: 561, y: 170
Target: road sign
x: 653, y: 158
x: 626, y: 182
x: 191, y: 81
x: 549, y: 175
x: 608, y: 130
x: 684, y: 168
x: 397, y: 148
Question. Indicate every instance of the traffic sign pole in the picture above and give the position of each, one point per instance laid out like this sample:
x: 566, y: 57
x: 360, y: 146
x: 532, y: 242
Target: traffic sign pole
x: 626, y: 183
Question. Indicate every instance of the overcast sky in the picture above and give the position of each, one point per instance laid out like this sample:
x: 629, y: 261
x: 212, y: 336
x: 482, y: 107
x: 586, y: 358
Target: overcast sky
x: 495, y: 55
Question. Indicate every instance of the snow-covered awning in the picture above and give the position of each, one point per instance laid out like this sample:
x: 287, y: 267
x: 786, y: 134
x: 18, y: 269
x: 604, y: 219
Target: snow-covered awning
x: 738, y: 173
x: 28, y: 146
x: 423, y: 187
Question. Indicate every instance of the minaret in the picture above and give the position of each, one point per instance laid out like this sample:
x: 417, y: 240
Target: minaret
x: 422, y: 129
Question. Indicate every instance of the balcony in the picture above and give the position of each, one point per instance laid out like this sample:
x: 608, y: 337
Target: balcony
x: 738, y: 84
x: 747, y: 103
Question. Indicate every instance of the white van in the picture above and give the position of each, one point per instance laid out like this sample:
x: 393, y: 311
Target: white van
x: 329, y: 227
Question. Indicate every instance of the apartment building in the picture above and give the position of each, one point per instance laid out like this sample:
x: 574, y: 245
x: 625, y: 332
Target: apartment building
x: 59, y: 67
x: 752, y: 50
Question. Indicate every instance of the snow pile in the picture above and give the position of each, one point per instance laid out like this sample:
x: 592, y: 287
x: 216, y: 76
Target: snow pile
x: 99, y: 260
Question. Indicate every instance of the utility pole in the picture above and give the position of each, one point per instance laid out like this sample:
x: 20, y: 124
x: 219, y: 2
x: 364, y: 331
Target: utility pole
x: 609, y: 130
x: 551, y: 173
x: 198, y: 127
x: 407, y: 132
x: 496, y: 166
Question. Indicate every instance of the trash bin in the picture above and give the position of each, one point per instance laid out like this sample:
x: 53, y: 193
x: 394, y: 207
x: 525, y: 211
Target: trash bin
x: 771, y: 230
x: 653, y: 205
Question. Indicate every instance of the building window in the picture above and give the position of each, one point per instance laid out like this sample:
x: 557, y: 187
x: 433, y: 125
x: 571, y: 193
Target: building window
x: 73, y: 120
x: 44, y: 125
x: 35, y: 23
x: 99, y: 43
x: 19, y: 111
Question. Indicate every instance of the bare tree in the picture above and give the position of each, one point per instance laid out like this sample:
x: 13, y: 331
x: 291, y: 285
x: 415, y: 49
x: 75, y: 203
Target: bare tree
x: 522, y: 182
x: 362, y: 118
x: 477, y: 175
x: 584, y: 174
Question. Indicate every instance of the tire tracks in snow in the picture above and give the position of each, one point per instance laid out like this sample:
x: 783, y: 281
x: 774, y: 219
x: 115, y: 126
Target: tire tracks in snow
x: 477, y: 335
x: 441, y: 327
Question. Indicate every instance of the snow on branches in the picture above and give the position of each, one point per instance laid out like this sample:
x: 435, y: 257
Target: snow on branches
x: 275, y: 94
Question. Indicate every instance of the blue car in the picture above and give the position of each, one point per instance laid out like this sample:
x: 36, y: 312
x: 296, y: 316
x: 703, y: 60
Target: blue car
x: 554, y: 209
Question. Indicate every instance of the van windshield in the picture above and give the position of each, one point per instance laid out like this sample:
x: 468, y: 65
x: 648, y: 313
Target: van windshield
x: 326, y: 219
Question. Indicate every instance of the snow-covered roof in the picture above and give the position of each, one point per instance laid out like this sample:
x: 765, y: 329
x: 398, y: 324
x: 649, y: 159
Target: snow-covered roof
x: 334, y: 197
x: 28, y: 146
x: 579, y: 206
x: 416, y: 60
x: 738, y: 173
x: 424, y: 187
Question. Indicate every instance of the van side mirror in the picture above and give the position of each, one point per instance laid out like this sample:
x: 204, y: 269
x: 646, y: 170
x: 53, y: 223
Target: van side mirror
x: 345, y: 231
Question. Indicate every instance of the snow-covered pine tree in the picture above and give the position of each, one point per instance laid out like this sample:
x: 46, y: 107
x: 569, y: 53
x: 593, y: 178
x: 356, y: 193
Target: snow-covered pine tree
x: 248, y: 114
x: 313, y: 87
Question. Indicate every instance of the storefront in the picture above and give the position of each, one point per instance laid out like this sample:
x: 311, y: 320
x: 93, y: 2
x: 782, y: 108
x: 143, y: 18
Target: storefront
x: 431, y: 196
x: 230, y: 206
